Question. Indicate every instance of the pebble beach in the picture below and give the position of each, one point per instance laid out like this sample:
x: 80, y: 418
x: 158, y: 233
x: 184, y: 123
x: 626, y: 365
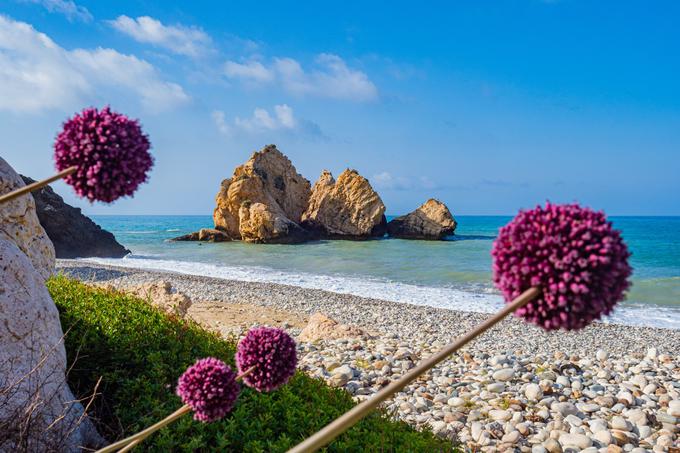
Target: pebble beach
x: 607, y: 387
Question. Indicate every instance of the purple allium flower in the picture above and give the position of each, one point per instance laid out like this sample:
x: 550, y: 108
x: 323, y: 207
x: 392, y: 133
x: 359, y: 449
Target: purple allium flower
x: 110, y: 151
x: 272, y: 352
x: 573, y: 254
x: 209, y: 386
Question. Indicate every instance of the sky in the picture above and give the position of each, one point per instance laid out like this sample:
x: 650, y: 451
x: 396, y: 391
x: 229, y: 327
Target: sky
x: 488, y: 106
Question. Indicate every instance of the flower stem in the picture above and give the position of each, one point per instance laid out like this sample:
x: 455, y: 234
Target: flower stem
x: 130, y: 442
x: 349, y: 418
x: 36, y: 185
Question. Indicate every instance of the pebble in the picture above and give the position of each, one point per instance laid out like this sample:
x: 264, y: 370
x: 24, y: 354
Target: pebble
x: 533, y: 392
x: 579, y: 441
x: 503, y: 375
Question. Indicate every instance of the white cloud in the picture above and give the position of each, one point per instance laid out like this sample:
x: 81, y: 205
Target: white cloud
x: 38, y: 74
x: 68, y: 8
x: 189, y: 41
x: 260, y: 121
x: 386, y: 180
x: 330, y: 78
x: 248, y: 71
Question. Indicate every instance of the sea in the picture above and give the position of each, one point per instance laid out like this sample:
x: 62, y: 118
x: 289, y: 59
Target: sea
x: 454, y: 273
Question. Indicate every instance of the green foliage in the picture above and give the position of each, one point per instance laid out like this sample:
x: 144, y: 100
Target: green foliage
x: 138, y: 352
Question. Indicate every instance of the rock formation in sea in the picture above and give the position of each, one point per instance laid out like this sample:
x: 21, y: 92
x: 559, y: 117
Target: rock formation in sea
x: 73, y: 234
x: 205, y: 235
x: 348, y: 208
x: 432, y: 221
x: 264, y: 200
x: 38, y: 411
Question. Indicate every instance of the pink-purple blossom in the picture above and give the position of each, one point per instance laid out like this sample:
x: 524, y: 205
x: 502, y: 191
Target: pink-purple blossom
x: 273, y: 355
x: 110, y: 151
x: 209, y: 387
x: 572, y: 254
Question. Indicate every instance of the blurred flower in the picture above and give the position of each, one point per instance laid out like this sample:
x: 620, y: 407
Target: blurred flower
x: 272, y: 352
x: 110, y: 151
x: 573, y: 254
x: 209, y: 387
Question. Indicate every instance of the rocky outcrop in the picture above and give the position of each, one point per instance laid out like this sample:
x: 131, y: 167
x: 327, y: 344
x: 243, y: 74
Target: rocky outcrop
x: 321, y: 327
x: 264, y: 200
x: 38, y: 412
x: 348, y: 208
x: 19, y: 223
x: 261, y: 223
x: 73, y: 234
x: 161, y: 295
x: 205, y: 235
x: 432, y: 221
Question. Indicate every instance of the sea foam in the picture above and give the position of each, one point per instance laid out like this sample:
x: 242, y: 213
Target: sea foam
x: 439, y: 297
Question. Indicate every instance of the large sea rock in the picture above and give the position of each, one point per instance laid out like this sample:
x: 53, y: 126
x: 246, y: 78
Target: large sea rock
x: 38, y: 411
x: 264, y: 200
x: 73, y: 234
x: 348, y: 208
x: 432, y: 221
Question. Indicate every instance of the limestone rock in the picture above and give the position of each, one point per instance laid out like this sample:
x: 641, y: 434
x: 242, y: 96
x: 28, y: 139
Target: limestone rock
x: 73, y: 234
x: 261, y: 223
x: 161, y: 294
x: 432, y: 221
x: 205, y: 235
x: 348, y: 208
x: 19, y: 223
x: 33, y: 389
x: 321, y: 327
x: 270, y: 179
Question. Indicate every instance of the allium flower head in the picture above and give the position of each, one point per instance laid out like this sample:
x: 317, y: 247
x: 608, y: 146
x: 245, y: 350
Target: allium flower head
x: 272, y: 352
x: 209, y: 386
x: 573, y: 254
x: 110, y: 151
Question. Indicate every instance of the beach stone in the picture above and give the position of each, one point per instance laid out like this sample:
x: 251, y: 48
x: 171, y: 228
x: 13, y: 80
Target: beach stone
x: 601, y: 355
x: 533, y: 392
x: 33, y: 360
x: 19, y: 223
x: 564, y: 408
x: 264, y: 200
x: 674, y: 408
x: 579, y: 441
x: 552, y: 446
x: 432, y: 220
x: 504, y: 374
x: 456, y: 402
x: 496, y: 387
x: 620, y: 423
x: 538, y: 449
x: 348, y: 208
x: 604, y: 437
x: 511, y: 437
x: 403, y: 354
x: 321, y: 327
x: 500, y: 415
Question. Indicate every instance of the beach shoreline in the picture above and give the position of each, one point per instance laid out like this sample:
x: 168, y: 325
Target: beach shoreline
x: 407, y: 321
x: 607, y: 388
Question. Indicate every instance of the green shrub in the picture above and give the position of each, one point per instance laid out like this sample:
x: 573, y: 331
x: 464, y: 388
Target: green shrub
x: 139, y: 353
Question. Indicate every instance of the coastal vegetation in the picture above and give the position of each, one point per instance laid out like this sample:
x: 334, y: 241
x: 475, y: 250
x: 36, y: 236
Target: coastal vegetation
x: 132, y: 354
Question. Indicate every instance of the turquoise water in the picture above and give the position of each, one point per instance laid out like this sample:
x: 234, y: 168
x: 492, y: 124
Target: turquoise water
x: 455, y: 273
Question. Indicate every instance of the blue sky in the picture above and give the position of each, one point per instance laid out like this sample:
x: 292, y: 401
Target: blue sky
x: 489, y: 106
